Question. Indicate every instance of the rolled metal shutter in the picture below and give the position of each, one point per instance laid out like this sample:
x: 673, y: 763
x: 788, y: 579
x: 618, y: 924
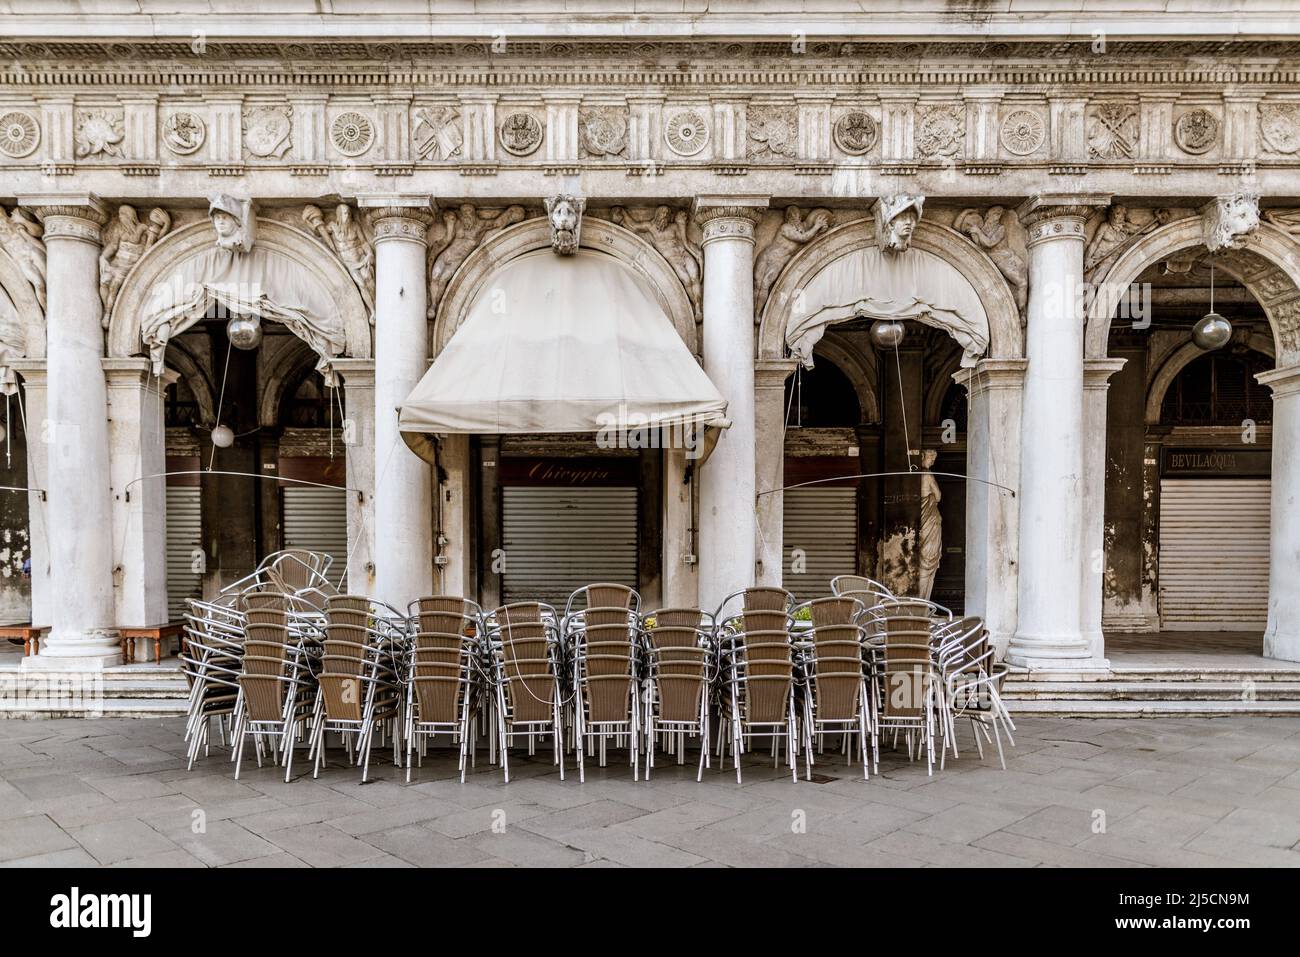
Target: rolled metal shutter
x: 184, y: 540
x: 558, y: 539
x: 1214, y: 542
x: 822, y: 524
x: 317, y: 519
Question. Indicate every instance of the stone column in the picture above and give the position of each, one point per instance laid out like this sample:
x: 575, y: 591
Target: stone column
x: 992, y: 513
x: 1052, y: 485
x: 1282, y: 636
x: 1096, y: 380
x: 79, y: 507
x: 359, y: 439
x: 769, y: 424
x: 456, y: 532
x: 728, y: 522
x: 137, y: 448
x: 38, y: 540
x: 681, y: 588
x: 403, y: 481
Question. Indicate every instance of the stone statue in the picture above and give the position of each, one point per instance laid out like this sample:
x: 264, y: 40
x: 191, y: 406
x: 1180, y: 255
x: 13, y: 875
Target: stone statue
x: 1226, y: 220
x: 931, y: 532
x: 565, y: 215
x: 896, y: 219
x: 795, y: 231
x: 234, y: 221
x: 670, y: 235
x: 125, y: 240
x: 346, y: 235
x: 463, y: 230
x: 20, y: 237
x: 989, y: 234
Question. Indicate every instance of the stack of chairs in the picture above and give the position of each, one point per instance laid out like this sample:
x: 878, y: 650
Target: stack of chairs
x: 601, y: 625
x: 527, y: 665
x: 681, y: 664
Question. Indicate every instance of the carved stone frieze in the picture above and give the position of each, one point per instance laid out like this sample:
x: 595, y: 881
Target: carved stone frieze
x: 1279, y: 126
x: 1196, y: 132
x: 99, y: 133
x: 1023, y: 132
x: 940, y: 131
x: 1113, y: 131
x: 521, y: 134
x: 686, y: 132
x: 352, y: 133
x: 773, y: 132
x: 266, y: 131
x: 796, y: 229
x: 438, y: 134
x: 20, y: 134
x: 183, y: 132
x: 855, y: 132
x: 603, y: 131
x: 463, y: 230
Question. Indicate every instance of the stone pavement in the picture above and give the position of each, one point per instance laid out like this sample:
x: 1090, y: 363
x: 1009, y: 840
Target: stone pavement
x: 1161, y: 792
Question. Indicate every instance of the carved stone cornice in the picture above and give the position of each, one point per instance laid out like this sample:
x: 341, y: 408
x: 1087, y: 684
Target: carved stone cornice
x: 79, y: 216
x: 398, y: 217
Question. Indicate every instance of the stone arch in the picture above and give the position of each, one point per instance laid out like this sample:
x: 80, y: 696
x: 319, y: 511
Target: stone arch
x: 276, y: 378
x: 1180, y: 359
x: 173, y: 250
x: 29, y: 313
x: 598, y: 236
x: 932, y: 408
x: 1006, y: 337
x: 860, y: 373
x: 1267, y: 264
x: 183, y: 364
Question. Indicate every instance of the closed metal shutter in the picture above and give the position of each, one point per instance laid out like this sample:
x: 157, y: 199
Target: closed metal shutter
x: 184, y: 546
x: 820, y: 530
x: 1214, y: 541
x: 558, y: 539
x: 317, y: 519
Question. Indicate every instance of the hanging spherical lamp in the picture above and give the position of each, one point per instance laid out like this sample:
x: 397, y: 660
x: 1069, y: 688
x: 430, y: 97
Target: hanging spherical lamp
x: 245, y: 332
x: 1212, y: 331
x: 223, y: 437
x: 887, y: 333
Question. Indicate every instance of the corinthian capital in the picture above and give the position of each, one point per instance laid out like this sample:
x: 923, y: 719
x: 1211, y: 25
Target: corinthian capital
x: 733, y: 216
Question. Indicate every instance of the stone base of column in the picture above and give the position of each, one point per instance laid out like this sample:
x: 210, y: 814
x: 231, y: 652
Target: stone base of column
x: 1054, y: 653
x: 93, y: 651
x: 1282, y: 647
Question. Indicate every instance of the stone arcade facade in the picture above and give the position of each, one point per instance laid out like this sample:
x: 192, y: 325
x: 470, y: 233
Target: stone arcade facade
x: 1046, y: 217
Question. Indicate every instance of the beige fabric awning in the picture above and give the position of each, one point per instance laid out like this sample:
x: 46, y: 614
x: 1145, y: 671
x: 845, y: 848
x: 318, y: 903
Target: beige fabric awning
x: 562, y: 344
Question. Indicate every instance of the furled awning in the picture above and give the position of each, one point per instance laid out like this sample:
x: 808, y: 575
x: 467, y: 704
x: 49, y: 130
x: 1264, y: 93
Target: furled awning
x: 562, y: 344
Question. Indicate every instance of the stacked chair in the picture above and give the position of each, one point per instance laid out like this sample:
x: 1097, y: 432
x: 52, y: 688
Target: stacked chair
x: 282, y: 658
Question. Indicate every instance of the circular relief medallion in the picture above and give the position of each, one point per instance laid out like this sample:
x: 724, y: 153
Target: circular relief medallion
x: 352, y: 133
x: 686, y: 133
x: 521, y: 134
x: 1196, y: 131
x: 1023, y: 132
x: 855, y: 133
x: 19, y: 134
x: 183, y: 132
x: 1280, y: 127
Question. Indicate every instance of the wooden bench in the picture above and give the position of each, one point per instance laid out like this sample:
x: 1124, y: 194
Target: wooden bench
x: 29, y: 635
x: 155, y: 633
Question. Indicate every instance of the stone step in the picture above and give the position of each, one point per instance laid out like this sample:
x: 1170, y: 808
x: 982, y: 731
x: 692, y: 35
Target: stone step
x: 107, y: 708
x: 1150, y: 709
x: 1158, y: 690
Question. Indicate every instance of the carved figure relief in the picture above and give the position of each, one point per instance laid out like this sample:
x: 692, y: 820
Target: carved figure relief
x: 988, y: 232
x: 670, y: 234
x: 521, y: 134
x: 19, y: 134
x: 125, y: 240
x: 1196, y: 132
x: 183, y: 132
x: 1228, y: 219
x: 346, y: 235
x: 1115, y: 233
x: 1023, y: 132
x: 773, y: 131
x: 1287, y: 220
x: 604, y: 131
x: 1112, y: 131
x: 21, y: 237
x: 352, y: 133
x: 234, y: 221
x: 896, y: 219
x: 565, y: 215
x: 266, y: 131
x: 855, y: 133
x: 941, y: 131
x: 1279, y: 125
x: 686, y: 133
x: 438, y: 135
x: 464, y: 229
x: 98, y: 134
x: 796, y: 230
